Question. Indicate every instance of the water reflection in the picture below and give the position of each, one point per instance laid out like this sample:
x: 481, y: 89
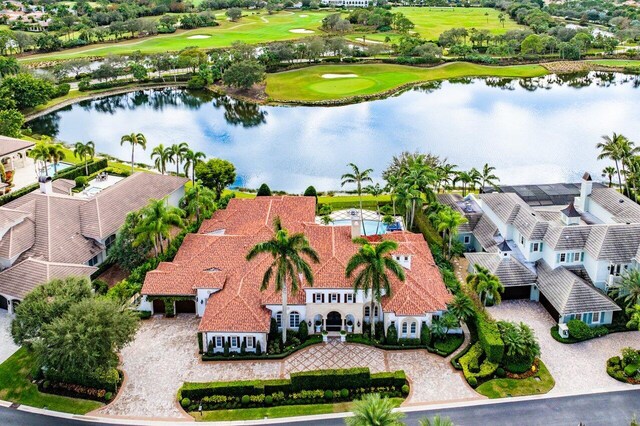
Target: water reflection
x: 533, y: 130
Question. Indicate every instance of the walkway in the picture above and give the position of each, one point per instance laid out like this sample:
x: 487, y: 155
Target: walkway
x: 164, y: 355
x: 7, y: 347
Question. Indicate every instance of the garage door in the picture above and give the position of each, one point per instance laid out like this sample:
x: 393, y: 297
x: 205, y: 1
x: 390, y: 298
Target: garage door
x: 549, y: 307
x: 517, y: 292
x: 3, y: 303
x: 185, y: 307
x: 158, y: 307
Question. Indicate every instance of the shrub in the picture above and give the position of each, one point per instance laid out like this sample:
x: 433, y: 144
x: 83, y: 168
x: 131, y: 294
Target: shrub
x: 268, y: 400
x: 344, y: 393
x: 144, y: 314
x: 473, y: 382
x: 196, y: 82
x: 264, y: 191
x: 409, y: 342
x: 331, y: 379
x: 303, y: 331
x: 258, y: 348
x: 405, y: 389
x: 629, y: 356
x: 501, y: 373
x: 519, y: 365
x: 81, y: 181
x: 100, y: 287
x: 185, y: 402
x: 392, y: 335
x: 310, y: 192
x: 328, y: 395
x: 392, y: 379
x: 425, y: 334
x: 108, y: 396
x: 579, y: 330
x: 630, y: 370
x: 245, y: 399
x: 490, y: 338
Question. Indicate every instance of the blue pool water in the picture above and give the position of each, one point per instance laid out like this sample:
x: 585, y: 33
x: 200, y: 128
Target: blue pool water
x: 59, y: 168
x: 369, y: 226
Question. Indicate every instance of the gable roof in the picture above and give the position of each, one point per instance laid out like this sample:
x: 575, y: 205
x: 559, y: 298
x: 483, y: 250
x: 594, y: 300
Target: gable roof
x: 508, y: 269
x: 621, y: 208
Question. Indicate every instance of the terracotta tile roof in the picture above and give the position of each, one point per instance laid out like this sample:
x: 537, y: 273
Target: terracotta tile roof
x: 10, y: 145
x: 22, y: 278
x: 215, y: 258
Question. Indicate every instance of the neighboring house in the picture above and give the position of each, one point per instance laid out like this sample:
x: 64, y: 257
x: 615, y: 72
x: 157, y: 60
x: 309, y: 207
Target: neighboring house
x: 347, y: 3
x: 214, y: 280
x: 49, y: 233
x: 564, y: 255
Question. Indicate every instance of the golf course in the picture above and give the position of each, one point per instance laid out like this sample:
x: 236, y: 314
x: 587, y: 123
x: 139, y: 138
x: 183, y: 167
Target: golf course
x: 335, y: 82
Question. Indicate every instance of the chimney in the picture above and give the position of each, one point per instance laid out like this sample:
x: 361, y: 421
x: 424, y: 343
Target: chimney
x: 356, y: 224
x: 45, y: 185
x: 505, y: 250
x: 585, y: 191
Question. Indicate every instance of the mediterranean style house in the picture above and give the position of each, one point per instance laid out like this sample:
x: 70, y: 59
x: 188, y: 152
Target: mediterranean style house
x: 564, y: 247
x: 50, y: 233
x: 210, y: 277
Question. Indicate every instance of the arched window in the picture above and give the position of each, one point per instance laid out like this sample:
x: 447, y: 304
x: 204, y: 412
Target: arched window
x: 294, y: 319
x: 413, y: 328
x: 279, y: 319
x: 376, y: 312
x: 367, y: 312
x: 404, y: 328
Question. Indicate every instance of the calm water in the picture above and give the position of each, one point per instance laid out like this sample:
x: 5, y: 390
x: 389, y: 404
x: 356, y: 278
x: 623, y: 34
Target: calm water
x: 534, y: 131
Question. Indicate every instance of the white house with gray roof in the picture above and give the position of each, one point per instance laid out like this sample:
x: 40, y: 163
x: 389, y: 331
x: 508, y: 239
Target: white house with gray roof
x: 566, y: 256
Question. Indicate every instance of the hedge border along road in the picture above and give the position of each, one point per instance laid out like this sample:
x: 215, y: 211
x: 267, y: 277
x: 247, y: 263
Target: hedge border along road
x: 307, y: 86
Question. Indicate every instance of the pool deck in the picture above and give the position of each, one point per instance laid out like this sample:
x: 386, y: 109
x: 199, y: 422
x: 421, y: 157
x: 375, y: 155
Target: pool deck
x: 95, y: 186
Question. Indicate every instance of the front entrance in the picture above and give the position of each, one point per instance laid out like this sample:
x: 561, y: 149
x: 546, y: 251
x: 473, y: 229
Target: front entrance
x: 334, y: 321
x: 158, y: 306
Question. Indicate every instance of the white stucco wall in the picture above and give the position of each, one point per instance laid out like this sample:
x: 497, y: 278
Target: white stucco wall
x: 210, y: 336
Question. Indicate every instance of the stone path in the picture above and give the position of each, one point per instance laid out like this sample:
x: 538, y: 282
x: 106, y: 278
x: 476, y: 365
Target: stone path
x: 577, y: 367
x: 164, y: 355
x: 7, y: 347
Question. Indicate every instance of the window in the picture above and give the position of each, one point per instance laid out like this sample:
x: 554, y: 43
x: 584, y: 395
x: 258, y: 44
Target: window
x: 616, y: 269
x: 467, y: 239
x: 413, y: 328
x: 367, y: 312
x: 521, y: 240
x: 535, y: 246
x: 294, y: 319
x: 562, y: 257
x: 334, y: 298
x: 250, y: 342
x: 94, y: 260
x: 349, y: 298
x: 109, y: 241
x: 279, y: 319
x: 404, y: 328
x: 596, y: 318
x: 234, y: 341
x: 376, y: 312
x: 318, y: 297
x: 578, y: 317
x: 219, y: 342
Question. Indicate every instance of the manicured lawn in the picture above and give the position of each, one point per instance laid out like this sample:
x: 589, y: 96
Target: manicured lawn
x: 249, y: 29
x: 276, y: 412
x: 308, y: 84
x: 500, y: 388
x: 15, y: 386
x: 616, y: 62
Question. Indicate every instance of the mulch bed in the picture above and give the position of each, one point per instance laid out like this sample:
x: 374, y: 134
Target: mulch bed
x: 526, y: 374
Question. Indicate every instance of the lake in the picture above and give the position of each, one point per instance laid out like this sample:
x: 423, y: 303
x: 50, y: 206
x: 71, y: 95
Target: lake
x: 541, y: 130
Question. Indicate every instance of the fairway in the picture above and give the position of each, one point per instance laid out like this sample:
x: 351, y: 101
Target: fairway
x: 616, y: 62
x: 250, y: 29
x: 309, y: 85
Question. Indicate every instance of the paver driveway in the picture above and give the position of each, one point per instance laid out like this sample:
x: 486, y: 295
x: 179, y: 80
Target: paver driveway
x: 579, y: 367
x: 164, y: 355
x: 7, y: 347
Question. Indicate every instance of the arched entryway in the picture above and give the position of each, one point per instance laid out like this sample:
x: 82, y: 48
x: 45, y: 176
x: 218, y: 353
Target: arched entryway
x: 4, y: 303
x: 334, y: 321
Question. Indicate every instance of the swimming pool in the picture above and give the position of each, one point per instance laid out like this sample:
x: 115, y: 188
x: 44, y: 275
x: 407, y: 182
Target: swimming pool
x: 61, y: 166
x: 369, y: 226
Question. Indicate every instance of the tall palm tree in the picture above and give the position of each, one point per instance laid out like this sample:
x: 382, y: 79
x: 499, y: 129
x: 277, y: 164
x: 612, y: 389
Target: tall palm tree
x: 485, y: 285
x: 155, y: 224
x: 40, y: 152
x: 357, y: 177
x: 375, y: 191
x: 177, y: 152
x: 609, y: 172
x: 448, y: 221
x: 487, y: 176
x: 627, y: 290
x: 462, y: 307
x: 85, y: 151
x: 465, y: 178
x: 374, y: 263
x: 160, y: 156
x: 628, y: 151
x: 372, y: 410
x: 288, y: 253
x: 135, y: 139
x: 191, y: 160
x: 198, y: 201
x: 611, y: 148
x: 56, y: 154
x: 476, y: 177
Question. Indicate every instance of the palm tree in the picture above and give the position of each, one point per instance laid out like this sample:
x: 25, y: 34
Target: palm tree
x: 448, y: 221
x: 486, y: 285
x: 627, y: 290
x: 161, y: 156
x: 155, y: 224
x: 476, y: 177
x: 376, y: 191
x: 609, y: 171
x: 628, y: 151
x: 135, y: 139
x: 357, y: 177
x: 634, y: 317
x: 56, y: 154
x: 611, y: 148
x: 436, y: 421
x: 191, y: 160
x: 462, y: 307
x: 465, y: 178
x: 177, y: 152
x: 198, y: 201
x: 372, y: 410
x: 487, y: 176
x: 40, y: 152
x: 84, y: 150
x: 374, y: 264
x: 288, y: 252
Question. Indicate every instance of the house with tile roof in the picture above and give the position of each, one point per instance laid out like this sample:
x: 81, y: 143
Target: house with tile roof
x: 50, y: 233
x: 565, y: 256
x: 211, y: 277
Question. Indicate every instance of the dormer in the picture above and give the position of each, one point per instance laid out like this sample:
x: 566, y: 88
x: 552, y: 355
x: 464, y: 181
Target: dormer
x: 505, y: 250
x: 569, y: 215
x: 404, y: 260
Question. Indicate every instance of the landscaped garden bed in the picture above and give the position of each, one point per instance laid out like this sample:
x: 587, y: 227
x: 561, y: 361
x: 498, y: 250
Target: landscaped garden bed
x: 311, y: 387
x: 579, y: 331
x: 626, y: 368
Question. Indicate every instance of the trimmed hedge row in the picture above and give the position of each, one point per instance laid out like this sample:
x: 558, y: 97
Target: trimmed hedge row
x: 352, y: 378
x: 489, y: 337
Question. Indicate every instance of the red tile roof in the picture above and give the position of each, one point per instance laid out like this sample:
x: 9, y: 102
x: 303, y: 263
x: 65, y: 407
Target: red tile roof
x: 215, y: 260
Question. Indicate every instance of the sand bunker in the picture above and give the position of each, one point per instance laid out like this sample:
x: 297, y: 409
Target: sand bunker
x: 304, y: 16
x: 339, y: 75
x: 197, y: 37
x: 301, y: 31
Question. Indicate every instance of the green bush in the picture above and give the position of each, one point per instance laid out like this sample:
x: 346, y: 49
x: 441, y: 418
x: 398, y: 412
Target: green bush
x: 630, y: 370
x: 389, y: 379
x: 264, y: 191
x: 61, y: 90
x: 409, y: 342
x: 331, y: 379
x: 473, y: 382
x: 328, y: 395
x: 245, y: 399
x: 100, y: 287
x: 518, y: 365
x: 303, y: 331
x: 490, y: 338
x: 268, y: 400
x: 81, y: 181
x: 392, y: 335
x: 425, y: 334
x: 579, y: 330
x: 501, y: 373
x: 108, y: 396
x: 471, y: 365
x: 144, y: 314
x: 185, y: 402
x: 344, y: 393
x: 405, y: 389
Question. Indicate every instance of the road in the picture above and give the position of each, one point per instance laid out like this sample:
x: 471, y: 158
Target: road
x: 611, y: 409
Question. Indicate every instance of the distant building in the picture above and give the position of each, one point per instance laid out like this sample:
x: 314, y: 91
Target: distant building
x: 347, y: 3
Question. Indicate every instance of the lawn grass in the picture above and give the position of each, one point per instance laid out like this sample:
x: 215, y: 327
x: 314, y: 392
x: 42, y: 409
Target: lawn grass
x: 277, y: 412
x: 308, y: 85
x: 15, y: 386
x: 251, y: 29
x: 502, y: 388
x: 616, y: 62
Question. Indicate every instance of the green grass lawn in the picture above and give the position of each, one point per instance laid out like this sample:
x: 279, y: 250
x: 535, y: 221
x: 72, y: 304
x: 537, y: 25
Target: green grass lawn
x: 616, y: 62
x: 250, y: 29
x: 15, y: 386
x: 308, y: 84
x: 277, y: 412
x: 500, y: 388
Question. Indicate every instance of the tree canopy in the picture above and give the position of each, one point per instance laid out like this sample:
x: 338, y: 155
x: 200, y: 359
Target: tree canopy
x: 216, y: 174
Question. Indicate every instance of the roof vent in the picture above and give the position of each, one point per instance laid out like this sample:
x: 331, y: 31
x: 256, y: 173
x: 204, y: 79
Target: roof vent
x: 621, y: 200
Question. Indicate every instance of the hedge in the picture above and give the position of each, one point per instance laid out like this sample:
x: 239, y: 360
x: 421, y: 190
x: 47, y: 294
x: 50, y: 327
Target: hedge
x: 490, y: 338
x: 331, y: 379
x: 388, y: 379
